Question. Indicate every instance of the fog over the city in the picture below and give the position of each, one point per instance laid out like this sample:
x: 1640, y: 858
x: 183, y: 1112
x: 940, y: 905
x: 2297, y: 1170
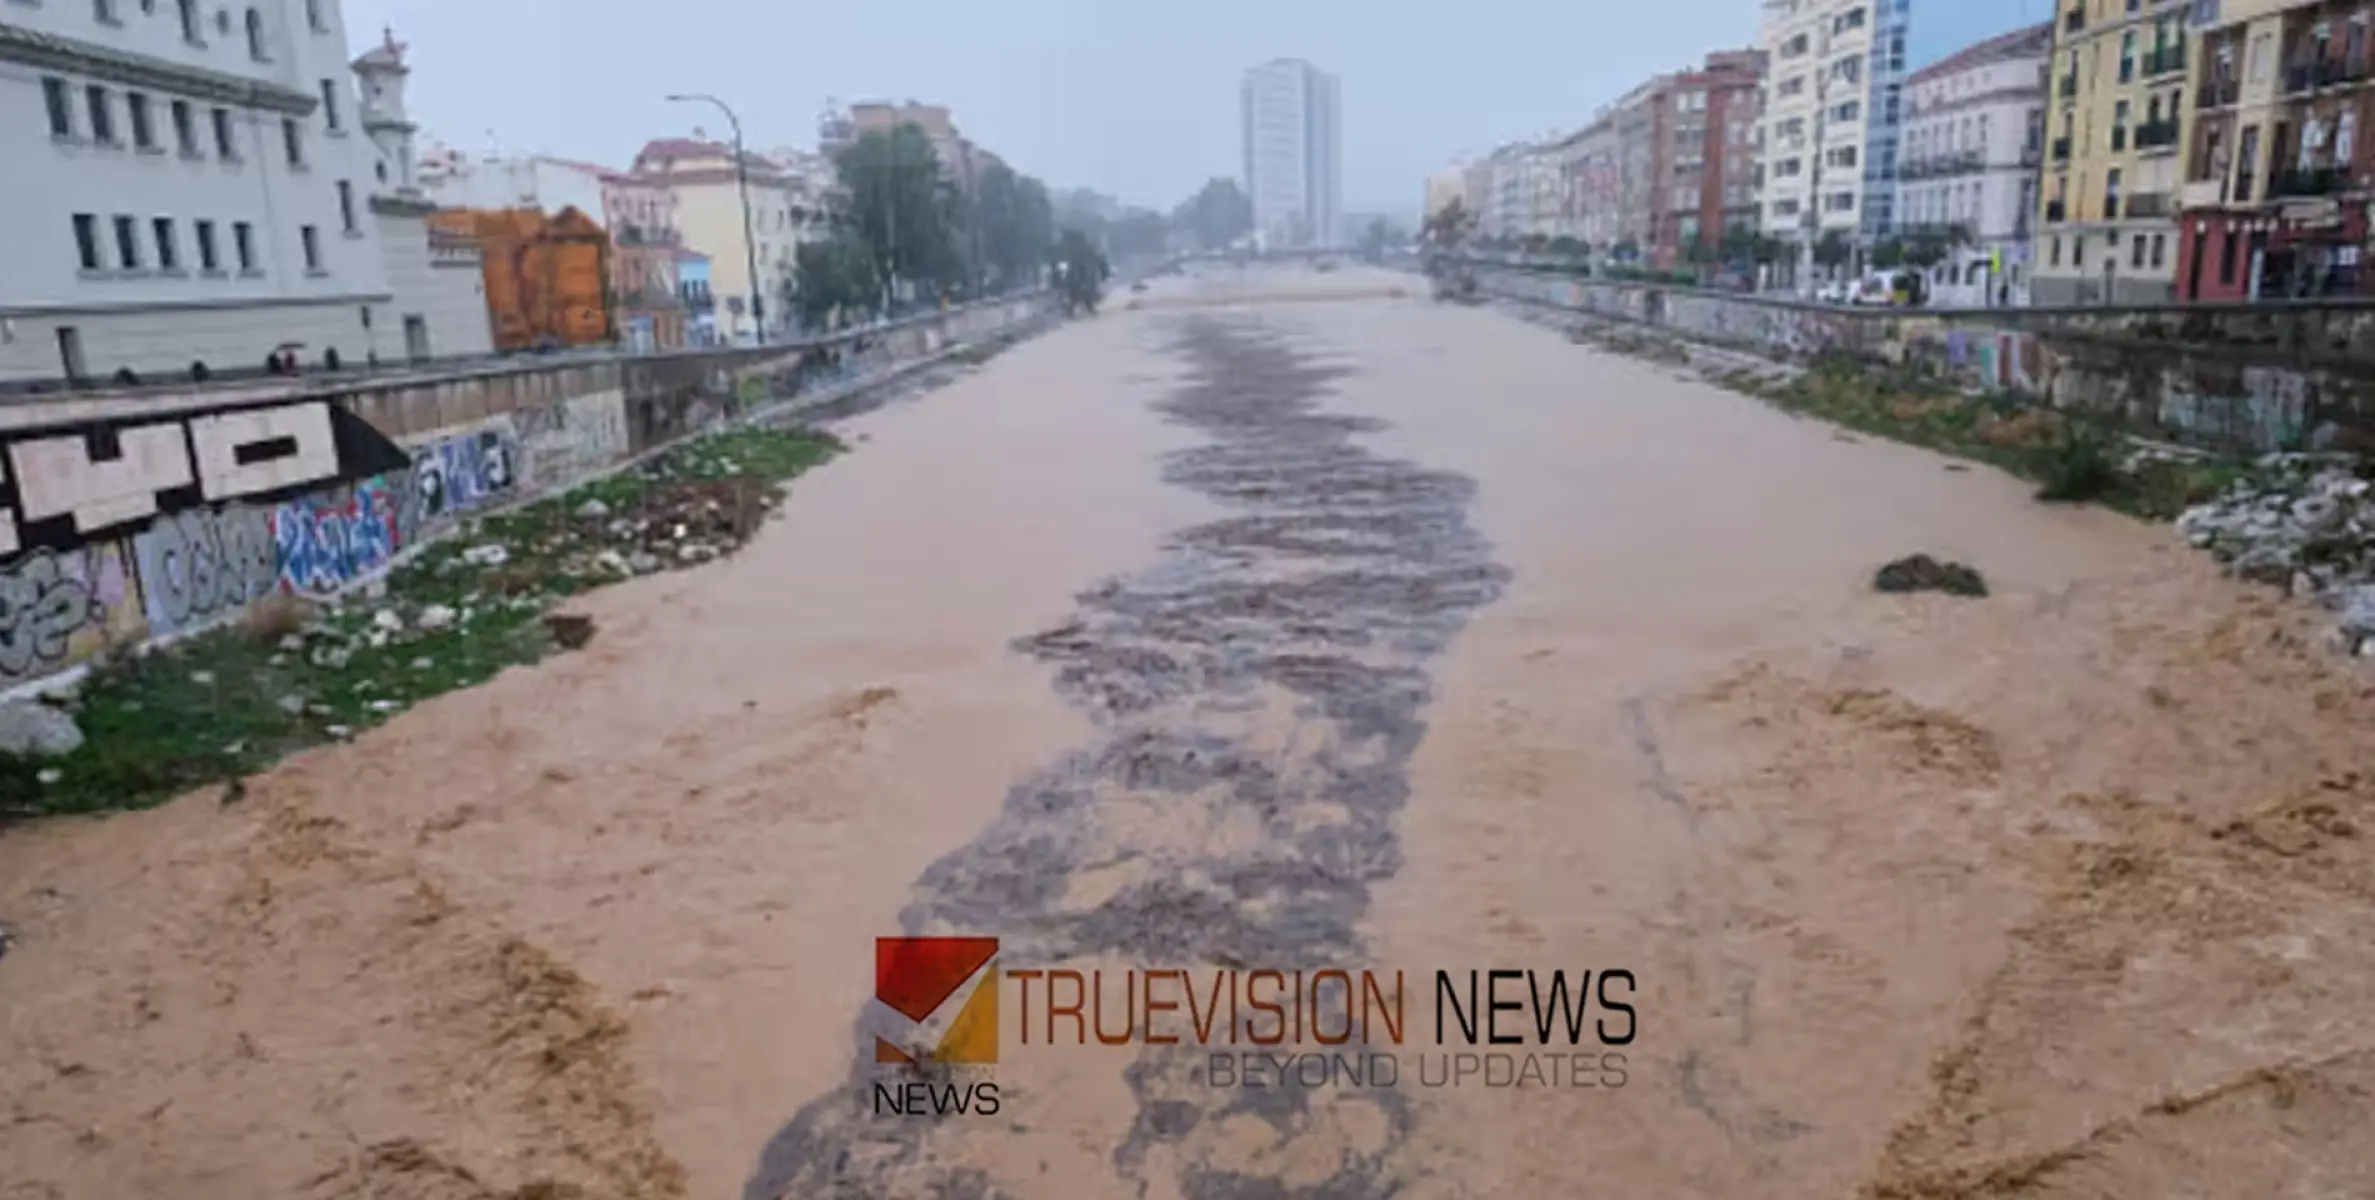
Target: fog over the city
x: 1138, y: 102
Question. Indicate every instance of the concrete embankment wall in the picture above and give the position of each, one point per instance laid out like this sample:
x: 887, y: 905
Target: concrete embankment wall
x: 2245, y: 379
x: 122, y: 522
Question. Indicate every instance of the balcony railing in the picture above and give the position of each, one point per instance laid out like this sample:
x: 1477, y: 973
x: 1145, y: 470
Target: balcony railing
x: 2155, y: 135
x: 2315, y: 181
x: 2167, y: 59
x: 2150, y: 205
x: 1962, y: 162
x: 2325, y: 72
x: 2056, y: 211
x: 2217, y: 93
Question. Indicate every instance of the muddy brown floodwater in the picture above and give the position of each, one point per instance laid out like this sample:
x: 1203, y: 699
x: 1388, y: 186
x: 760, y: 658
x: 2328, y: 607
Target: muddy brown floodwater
x: 1277, y: 621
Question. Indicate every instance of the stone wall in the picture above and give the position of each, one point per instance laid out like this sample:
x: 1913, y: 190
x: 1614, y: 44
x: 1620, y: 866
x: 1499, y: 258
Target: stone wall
x: 2232, y: 378
x: 122, y: 522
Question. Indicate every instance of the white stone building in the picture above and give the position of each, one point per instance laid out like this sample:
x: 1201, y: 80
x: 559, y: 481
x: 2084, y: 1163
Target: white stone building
x: 1831, y: 107
x: 436, y: 284
x: 1968, y: 164
x: 189, y: 185
x: 1294, y: 156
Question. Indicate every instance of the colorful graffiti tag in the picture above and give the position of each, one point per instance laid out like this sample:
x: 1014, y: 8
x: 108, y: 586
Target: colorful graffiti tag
x: 325, y: 542
x: 457, y: 474
x: 58, y: 607
x: 200, y: 564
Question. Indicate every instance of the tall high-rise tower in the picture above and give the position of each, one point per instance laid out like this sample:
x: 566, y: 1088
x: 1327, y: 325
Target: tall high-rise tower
x: 1294, y: 156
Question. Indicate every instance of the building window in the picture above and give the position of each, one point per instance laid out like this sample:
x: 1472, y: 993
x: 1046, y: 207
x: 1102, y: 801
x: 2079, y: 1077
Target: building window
x: 60, y: 99
x: 2055, y: 256
x: 2078, y: 251
x: 104, y: 12
x: 102, y: 115
x: 311, y: 239
x: 144, y: 132
x: 330, y: 105
x: 86, y: 240
x: 1848, y: 111
x: 292, y: 139
x: 168, y: 249
x: 185, y: 129
x: 127, y: 243
x: 255, y: 36
x: 243, y: 243
x: 189, y: 23
x: 2136, y: 253
x: 346, y: 206
x: 209, y: 259
x: 2226, y: 258
x: 313, y: 17
x: 224, y: 147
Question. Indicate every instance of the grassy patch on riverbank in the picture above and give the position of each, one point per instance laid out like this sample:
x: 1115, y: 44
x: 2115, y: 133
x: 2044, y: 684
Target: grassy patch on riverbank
x: 2070, y: 461
x: 217, y: 707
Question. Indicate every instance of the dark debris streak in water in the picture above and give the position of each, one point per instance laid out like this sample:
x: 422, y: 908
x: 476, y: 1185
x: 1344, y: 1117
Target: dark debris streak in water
x: 1316, y: 605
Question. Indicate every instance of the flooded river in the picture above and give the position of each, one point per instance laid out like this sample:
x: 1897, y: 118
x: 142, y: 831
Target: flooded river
x: 1272, y: 621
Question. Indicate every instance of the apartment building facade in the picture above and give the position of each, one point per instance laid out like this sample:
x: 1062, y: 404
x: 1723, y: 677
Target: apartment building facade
x: 1831, y: 114
x: 2107, y: 228
x: 1968, y: 165
x: 1293, y: 153
x: 701, y: 179
x: 188, y: 191
x: 2280, y: 167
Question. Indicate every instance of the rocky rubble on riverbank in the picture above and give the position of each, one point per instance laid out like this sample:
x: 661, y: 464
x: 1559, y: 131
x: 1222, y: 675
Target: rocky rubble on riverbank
x: 2305, y: 523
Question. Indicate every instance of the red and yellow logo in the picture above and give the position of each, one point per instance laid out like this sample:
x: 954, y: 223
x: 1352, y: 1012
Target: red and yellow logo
x: 944, y: 983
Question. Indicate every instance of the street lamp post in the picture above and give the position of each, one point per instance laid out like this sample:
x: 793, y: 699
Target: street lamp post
x: 750, y: 245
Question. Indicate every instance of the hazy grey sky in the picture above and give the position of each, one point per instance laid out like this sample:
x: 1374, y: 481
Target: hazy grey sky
x: 1139, y: 100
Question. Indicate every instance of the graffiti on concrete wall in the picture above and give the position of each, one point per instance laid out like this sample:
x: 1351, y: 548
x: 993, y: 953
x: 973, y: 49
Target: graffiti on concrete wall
x: 63, y: 487
x: 325, y: 541
x: 454, y: 475
x: 60, y: 607
x: 563, y: 442
x: 201, y: 564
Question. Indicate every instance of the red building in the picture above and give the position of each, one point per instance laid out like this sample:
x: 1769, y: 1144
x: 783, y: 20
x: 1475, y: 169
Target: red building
x: 2280, y: 166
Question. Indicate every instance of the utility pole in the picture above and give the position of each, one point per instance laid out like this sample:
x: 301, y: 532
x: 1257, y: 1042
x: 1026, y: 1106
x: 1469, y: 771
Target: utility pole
x: 750, y: 244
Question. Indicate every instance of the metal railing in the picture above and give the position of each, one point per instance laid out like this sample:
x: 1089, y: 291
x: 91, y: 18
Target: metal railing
x: 2314, y: 181
x: 2218, y: 93
x: 2154, y: 135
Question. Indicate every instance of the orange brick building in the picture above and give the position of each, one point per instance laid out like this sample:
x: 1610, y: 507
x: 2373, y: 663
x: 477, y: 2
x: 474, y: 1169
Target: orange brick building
x: 547, y: 277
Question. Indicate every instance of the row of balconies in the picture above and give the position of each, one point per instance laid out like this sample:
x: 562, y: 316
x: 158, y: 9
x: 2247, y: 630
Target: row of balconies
x: 2325, y: 72
x: 1961, y: 162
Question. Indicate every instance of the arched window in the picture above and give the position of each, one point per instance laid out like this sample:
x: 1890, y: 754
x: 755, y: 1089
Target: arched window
x: 189, y: 21
x: 255, y: 35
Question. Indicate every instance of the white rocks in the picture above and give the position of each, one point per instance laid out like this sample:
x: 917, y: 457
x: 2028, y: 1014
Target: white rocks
x: 49, y: 775
x: 36, y: 730
x: 292, y: 704
x: 493, y: 554
x: 388, y: 620
x: 435, y: 617
x: 202, y: 678
x: 593, y: 510
x: 2307, y: 524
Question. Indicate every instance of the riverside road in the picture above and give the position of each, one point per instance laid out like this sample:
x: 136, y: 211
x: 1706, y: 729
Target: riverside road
x: 1279, y: 620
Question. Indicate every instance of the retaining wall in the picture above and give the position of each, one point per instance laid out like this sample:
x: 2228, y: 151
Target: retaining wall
x: 2232, y: 378
x: 121, y: 523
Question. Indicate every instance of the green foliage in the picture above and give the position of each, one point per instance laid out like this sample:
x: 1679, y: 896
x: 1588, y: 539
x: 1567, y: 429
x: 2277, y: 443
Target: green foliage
x: 2077, y: 468
x: 1081, y: 271
x: 1216, y: 216
x: 1833, y: 249
x: 899, y: 203
x: 837, y: 273
x: 1017, y: 224
x: 1138, y: 233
